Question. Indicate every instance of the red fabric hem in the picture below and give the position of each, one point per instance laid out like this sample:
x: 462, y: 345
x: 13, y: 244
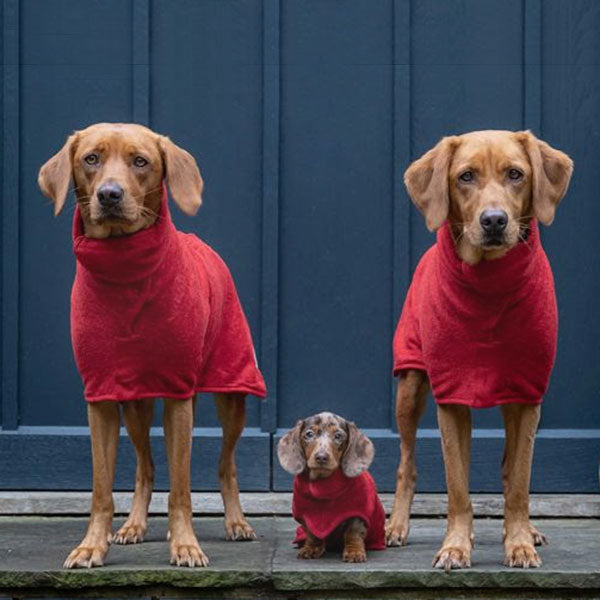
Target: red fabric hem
x: 491, y: 404
x: 202, y: 390
x: 409, y: 363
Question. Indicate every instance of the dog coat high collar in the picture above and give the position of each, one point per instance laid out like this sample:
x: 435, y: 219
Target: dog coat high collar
x: 156, y: 313
x: 485, y: 334
x: 321, y: 505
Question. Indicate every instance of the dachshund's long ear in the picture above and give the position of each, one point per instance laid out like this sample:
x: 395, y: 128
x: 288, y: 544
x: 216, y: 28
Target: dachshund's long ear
x: 359, y: 452
x: 55, y: 175
x: 552, y: 170
x: 182, y: 175
x: 427, y: 182
x: 289, y: 450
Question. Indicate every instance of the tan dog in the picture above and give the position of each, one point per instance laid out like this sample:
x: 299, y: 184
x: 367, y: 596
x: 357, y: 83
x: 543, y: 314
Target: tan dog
x: 330, y: 457
x: 488, y: 185
x: 118, y: 170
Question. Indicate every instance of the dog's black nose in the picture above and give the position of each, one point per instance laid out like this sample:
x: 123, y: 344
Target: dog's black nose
x: 322, y: 458
x: 493, y: 221
x: 109, y: 194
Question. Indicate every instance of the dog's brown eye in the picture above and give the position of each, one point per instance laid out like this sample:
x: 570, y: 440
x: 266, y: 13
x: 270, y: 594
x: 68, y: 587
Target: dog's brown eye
x: 338, y: 436
x: 515, y: 174
x: 92, y: 159
x: 309, y: 435
x: 467, y: 176
x: 140, y: 161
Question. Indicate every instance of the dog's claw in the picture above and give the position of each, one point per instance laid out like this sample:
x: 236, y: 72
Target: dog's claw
x: 396, y: 535
x: 188, y: 555
x: 522, y: 556
x: 239, y: 531
x: 85, y: 557
x: 354, y: 556
x: 311, y: 552
x: 451, y: 558
x: 130, y: 534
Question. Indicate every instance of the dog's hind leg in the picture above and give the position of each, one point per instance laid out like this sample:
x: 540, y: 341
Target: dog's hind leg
x: 410, y: 404
x: 178, y: 424
x: 231, y: 410
x: 520, y: 421
x: 138, y: 419
x: 455, y: 428
x: 104, y: 421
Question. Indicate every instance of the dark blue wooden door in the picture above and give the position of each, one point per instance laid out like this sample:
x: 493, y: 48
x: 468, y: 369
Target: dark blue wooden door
x: 302, y: 115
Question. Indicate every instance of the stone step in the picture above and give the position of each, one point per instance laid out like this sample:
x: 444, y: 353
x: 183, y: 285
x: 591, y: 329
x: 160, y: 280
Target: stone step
x: 32, y: 550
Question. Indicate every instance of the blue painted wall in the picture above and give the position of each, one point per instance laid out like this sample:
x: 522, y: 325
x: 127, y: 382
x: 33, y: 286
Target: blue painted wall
x: 302, y: 115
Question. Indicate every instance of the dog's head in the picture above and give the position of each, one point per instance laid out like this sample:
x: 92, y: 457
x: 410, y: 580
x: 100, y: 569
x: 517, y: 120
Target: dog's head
x: 488, y: 185
x: 118, y: 171
x: 322, y: 444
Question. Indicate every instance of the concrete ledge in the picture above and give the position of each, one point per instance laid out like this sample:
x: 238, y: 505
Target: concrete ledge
x: 32, y: 550
x: 280, y: 503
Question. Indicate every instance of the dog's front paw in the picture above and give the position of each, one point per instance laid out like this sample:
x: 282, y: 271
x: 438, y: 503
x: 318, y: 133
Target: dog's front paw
x: 86, y: 557
x: 130, y: 533
x: 521, y: 555
x: 239, y: 531
x: 452, y: 557
x: 396, y: 533
x: 188, y: 555
x: 354, y: 555
x: 309, y: 551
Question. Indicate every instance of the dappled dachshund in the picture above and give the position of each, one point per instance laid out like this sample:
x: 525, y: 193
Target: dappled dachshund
x: 154, y: 313
x: 335, y: 499
x: 479, y: 323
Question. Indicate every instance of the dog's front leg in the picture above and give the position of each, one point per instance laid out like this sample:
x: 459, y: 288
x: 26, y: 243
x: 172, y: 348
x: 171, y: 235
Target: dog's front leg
x: 520, y: 421
x: 354, y: 541
x: 178, y: 425
x: 103, y: 419
x: 455, y: 428
x: 138, y: 419
x: 231, y: 410
x: 313, y: 547
x: 410, y: 404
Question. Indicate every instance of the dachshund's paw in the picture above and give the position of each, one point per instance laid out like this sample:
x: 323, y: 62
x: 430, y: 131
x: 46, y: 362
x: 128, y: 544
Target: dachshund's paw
x: 130, y: 533
x: 354, y: 556
x: 521, y: 556
x: 239, y: 531
x: 396, y: 534
x: 86, y: 557
x: 538, y: 538
x: 307, y: 551
x: 452, y: 557
x: 188, y: 555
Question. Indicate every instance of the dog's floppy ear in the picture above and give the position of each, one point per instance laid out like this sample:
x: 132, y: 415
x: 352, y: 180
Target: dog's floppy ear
x: 289, y: 450
x: 552, y: 170
x: 426, y: 180
x: 182, y: 175
x: 359, y: 452
x: 55, y: 175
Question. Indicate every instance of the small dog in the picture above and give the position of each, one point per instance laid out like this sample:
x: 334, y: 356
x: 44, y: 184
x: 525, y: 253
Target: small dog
x: 154, y: 313
x: 479, y: 323
x: 335, y: 499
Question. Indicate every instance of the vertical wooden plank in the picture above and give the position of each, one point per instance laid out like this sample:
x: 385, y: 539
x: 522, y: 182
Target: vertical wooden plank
x: 10, y: 219
x: 270, y: 212
x: 402, y: 136
x: 141, y: 62
x: 532, y: 65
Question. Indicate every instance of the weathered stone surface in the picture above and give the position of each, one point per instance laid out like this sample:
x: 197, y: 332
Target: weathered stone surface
x: 280, y: 503
x: 32, y: 550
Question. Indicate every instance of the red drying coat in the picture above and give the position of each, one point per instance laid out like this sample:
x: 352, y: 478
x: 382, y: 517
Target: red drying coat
x: 156, y: 313
x: 323, y: 504
x: 485, y: 334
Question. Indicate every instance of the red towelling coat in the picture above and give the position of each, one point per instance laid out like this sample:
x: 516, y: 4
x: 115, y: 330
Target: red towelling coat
x: 156, y: 313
